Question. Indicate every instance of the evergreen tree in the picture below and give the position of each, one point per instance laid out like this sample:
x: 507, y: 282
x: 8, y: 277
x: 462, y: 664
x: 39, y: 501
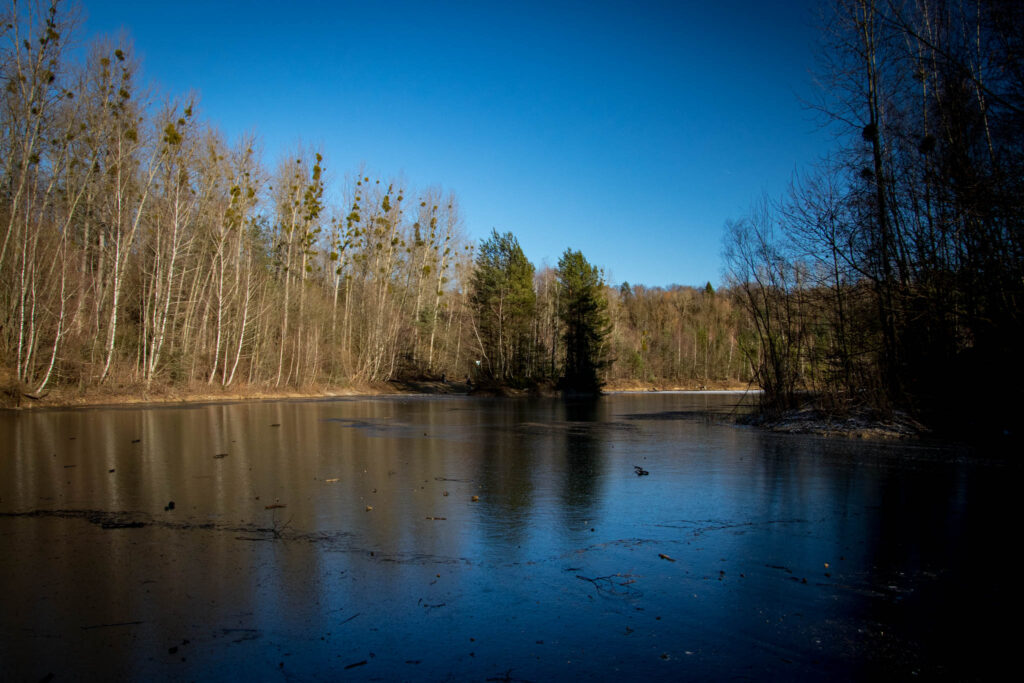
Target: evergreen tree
x: 503, y: 302
x: 583, y: 310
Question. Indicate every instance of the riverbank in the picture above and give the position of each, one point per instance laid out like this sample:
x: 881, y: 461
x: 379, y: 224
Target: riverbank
x: 133, y: 394
x: 855, y: 424
x: 633, y: 385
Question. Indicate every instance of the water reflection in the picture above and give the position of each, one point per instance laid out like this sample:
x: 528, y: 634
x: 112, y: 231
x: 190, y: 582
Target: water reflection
x: 311, y: 536
x: 584, y: 454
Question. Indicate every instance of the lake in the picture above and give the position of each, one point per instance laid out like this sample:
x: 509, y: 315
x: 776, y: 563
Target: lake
x: 435, y: 538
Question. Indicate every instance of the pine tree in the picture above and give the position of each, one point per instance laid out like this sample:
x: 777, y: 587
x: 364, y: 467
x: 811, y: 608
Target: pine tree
x: 583, y: 310
x: 503, y: 303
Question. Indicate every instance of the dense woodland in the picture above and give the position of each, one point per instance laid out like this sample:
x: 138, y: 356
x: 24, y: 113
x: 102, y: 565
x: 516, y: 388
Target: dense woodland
x: 142, y: 250
x: 892, y: 274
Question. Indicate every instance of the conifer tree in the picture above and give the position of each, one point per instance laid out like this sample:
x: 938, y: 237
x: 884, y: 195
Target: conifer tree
x: 583, y: 310
x: 503, y: 303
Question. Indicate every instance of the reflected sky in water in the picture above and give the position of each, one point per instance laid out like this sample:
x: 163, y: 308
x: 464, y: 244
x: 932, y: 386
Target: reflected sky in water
x: 431, y: 538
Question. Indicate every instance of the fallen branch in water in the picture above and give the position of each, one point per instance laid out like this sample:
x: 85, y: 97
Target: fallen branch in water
x: 608, y: 585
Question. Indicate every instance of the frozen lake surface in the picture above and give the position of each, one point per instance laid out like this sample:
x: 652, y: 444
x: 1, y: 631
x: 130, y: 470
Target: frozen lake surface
x: 435, y: 538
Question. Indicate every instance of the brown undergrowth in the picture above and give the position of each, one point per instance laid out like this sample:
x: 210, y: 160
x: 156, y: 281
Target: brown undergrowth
x: 14, y: 396
x: 855, y: 423
x: 129, y: 394
x: 675, y: 385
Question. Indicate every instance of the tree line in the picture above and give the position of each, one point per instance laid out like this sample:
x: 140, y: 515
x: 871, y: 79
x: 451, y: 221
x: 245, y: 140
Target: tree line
x: 566, y: 326
x: 891, y: 275
x: 141, y: 249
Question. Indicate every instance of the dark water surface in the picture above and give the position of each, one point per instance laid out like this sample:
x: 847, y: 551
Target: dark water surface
x: 741, y: 555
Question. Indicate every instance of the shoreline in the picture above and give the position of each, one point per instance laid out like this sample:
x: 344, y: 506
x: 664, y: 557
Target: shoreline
x: 856, y: 424
x: 133, y: 396
x: 58, y: 399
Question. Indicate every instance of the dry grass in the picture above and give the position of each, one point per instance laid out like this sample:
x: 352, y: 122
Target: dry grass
x: 128, y: 394
x: 12, y: 395
x: 672, y: 385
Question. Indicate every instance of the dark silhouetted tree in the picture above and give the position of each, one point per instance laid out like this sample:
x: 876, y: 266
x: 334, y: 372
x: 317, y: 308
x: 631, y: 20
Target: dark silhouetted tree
x: 583, y: 310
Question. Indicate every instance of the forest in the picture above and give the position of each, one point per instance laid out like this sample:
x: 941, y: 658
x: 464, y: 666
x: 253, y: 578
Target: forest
x: 143, y: 251
x: 891, y: 275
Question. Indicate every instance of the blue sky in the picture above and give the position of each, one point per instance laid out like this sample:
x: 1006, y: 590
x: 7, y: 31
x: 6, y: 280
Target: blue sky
x: 629, y: 130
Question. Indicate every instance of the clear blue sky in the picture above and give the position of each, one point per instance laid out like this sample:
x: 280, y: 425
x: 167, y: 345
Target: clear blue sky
x: 628, y: 130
